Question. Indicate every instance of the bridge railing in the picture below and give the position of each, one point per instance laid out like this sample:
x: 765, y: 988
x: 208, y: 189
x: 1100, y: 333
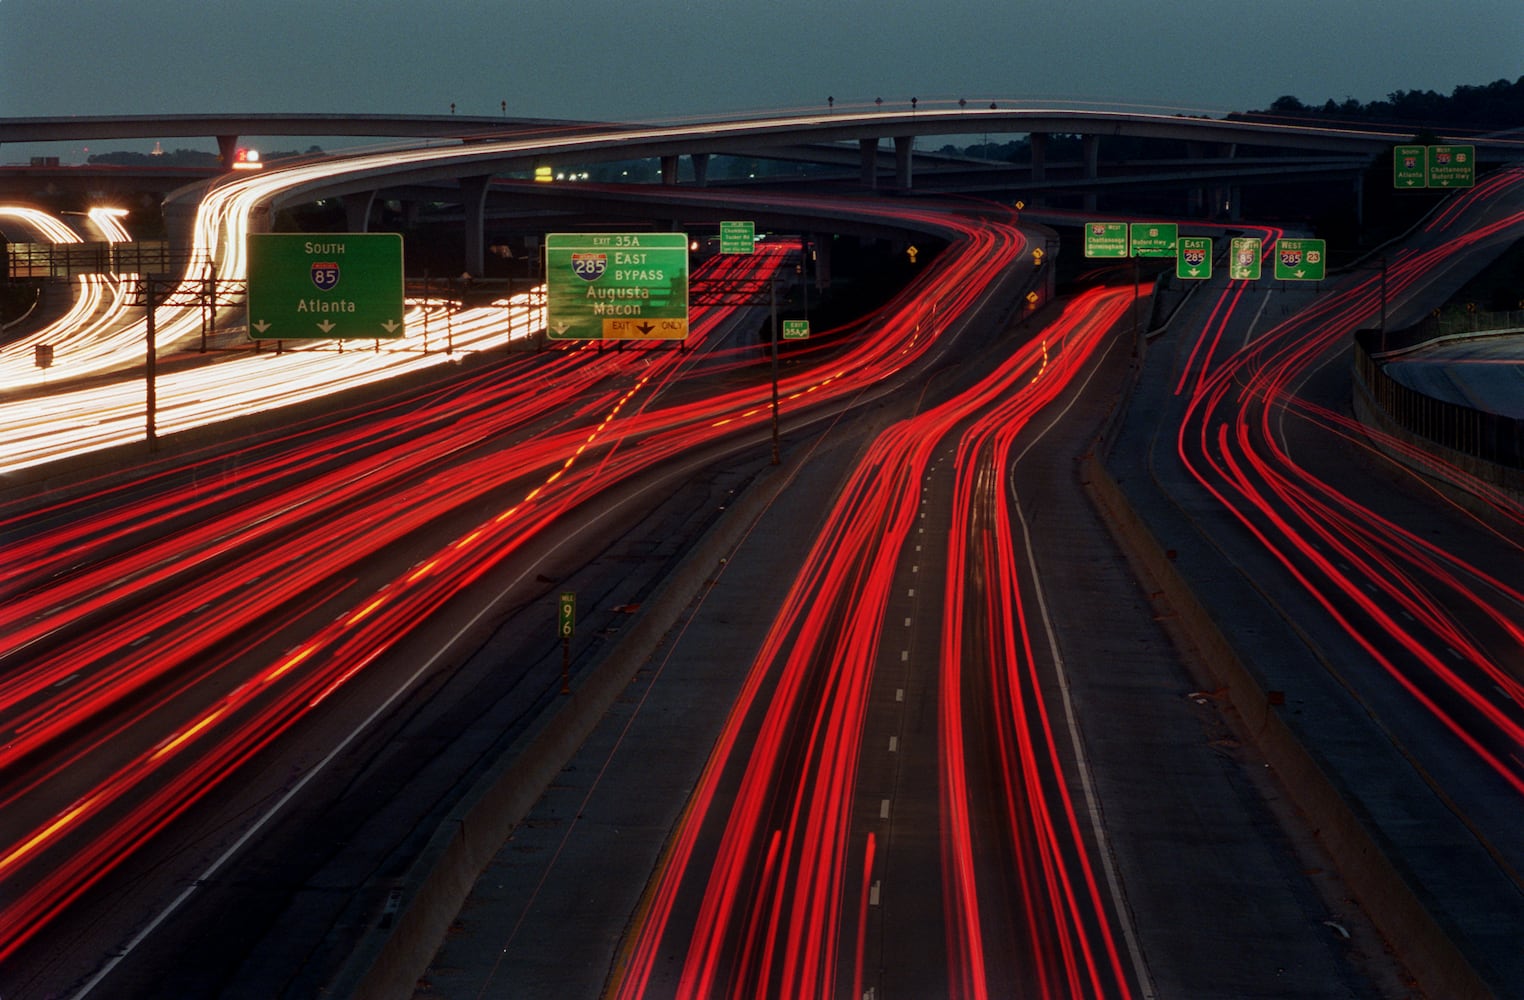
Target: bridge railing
x: 1491, y: 438
x: 1444, y: 324
x: 67, y: 260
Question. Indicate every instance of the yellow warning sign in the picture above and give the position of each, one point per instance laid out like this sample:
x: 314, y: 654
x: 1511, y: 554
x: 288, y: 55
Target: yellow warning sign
x: 645, y: 329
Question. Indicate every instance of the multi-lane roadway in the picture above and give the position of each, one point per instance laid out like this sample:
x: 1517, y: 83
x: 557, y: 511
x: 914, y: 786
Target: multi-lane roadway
x: 189, y: 649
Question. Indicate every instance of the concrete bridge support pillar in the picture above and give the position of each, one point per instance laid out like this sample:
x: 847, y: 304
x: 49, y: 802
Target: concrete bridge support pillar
x: 868, y: 150
x: 227, y: 150
x: 1090, y: 147
x: 180, y: 224
x: 473, y: 205
x: 820, y: 265
x: 669, y: 170
x: 904, y: 149
x: 1039, y: 142
x: 357, y: 211
x: 701, y: 169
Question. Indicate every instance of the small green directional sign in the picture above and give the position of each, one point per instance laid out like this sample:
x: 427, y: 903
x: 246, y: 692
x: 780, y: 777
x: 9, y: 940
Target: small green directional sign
x: 1105, y: 239
x: 1195, y: 259
x: 796, y: 329
x: 1410, y: 167
x: 738, y: 237
x: 1299, y: 260
x: 1244, y: 254
x: 325, y: 285
x: 1154, y: 239
x: 1452, y: 166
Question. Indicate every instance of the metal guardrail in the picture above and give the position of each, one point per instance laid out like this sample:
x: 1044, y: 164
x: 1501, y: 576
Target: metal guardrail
x: 1452, y: 321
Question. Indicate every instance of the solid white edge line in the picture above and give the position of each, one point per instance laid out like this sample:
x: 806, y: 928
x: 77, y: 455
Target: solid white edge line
x: 1082, y: 762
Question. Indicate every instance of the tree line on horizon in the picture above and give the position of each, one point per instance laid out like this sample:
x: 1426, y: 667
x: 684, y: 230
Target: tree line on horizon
x: 1487, y: 107
x: 186, y: 158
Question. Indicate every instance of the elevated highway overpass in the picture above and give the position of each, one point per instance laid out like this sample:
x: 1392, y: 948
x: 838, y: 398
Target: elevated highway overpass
x: 480, y: 149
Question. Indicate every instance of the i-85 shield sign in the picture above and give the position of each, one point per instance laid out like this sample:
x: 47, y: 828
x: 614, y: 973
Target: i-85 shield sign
x: 325, y: 274
x: 1243, y: 258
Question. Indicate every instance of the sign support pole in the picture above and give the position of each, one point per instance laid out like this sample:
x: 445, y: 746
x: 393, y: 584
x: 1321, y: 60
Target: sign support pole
x: 772, y: 288
x: 152, y: 366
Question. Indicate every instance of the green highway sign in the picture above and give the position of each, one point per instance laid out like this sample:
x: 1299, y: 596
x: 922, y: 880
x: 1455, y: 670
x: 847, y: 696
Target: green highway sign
x: 1433, y: 167
x: 1105, y: 239
x: 1410, y: 167
x: 1154, y: 239
x: 1452, y: 166
x: 325, y: 285
x: 1195, y: 259
x: 616, y: 286
x: 1299, y: 260
x: 1244, y: 254
x: 796, y: 329
x: 738, y: 237
x: 566, y: 614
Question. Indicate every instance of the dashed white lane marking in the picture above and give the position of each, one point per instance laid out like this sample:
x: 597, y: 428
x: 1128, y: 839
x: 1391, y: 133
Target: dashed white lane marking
x: 899, y: 694
x: 883, y: 809
x: 894, y: 743
x: 873, y: 894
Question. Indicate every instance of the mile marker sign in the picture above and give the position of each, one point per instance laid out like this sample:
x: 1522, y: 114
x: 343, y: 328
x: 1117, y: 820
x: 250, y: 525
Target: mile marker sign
x: 325, y: 285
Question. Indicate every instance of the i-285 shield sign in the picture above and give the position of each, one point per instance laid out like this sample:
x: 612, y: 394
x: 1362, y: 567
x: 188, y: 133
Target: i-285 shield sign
x: 1195, y: 258
x: 589, y: 266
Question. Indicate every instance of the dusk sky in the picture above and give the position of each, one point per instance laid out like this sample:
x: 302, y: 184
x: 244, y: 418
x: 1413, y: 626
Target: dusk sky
x: 660, y: 59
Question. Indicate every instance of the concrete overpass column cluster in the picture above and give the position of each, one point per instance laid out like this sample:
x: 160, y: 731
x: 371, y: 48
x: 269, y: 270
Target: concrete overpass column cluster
x: 1091, y: 147
x: 473, y: 204
x: 869, y: 153
x: 357, y: 211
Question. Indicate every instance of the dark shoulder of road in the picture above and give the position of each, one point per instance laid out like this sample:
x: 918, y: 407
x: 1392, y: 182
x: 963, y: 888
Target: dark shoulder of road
x: 1229, y: 897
